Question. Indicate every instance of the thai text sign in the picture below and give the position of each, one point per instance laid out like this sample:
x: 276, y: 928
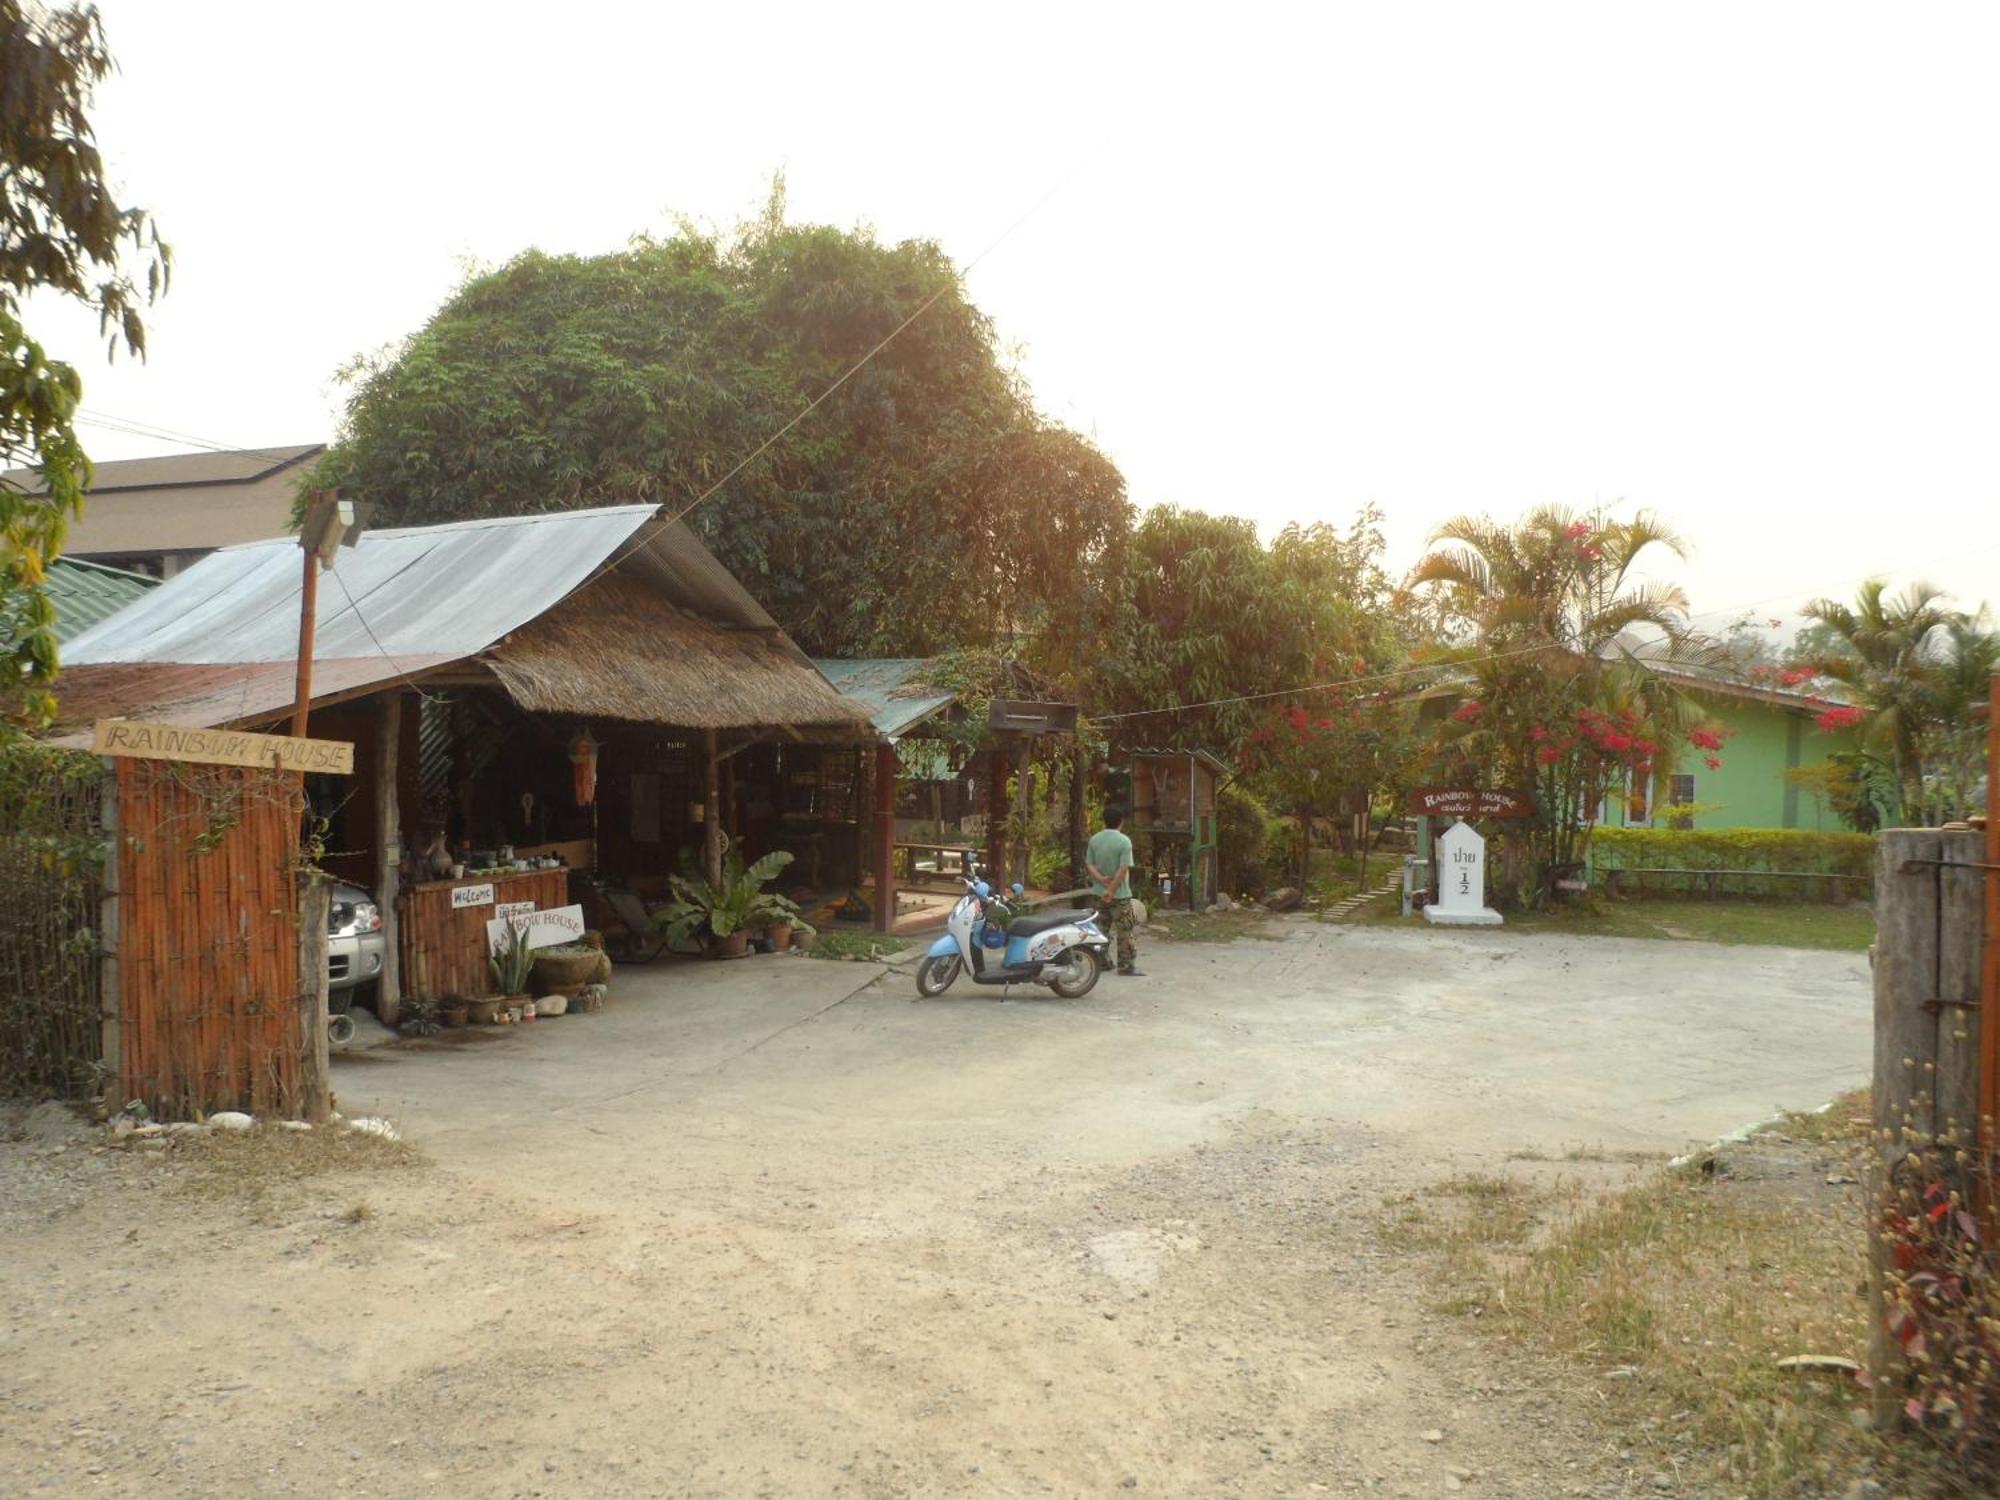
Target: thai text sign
x: 561, y: 924
x: 471, y: 895
x: 1470, y: 802
x: 139, y: 740
x: 509, y: 909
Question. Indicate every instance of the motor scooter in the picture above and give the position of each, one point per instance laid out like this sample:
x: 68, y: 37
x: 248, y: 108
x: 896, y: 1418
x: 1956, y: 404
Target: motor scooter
x: 1062, y: 949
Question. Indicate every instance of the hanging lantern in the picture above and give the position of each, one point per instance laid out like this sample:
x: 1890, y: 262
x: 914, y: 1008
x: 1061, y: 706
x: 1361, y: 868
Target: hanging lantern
x: 583, y: 763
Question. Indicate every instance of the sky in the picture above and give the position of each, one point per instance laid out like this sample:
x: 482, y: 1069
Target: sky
x: 1736, y: 263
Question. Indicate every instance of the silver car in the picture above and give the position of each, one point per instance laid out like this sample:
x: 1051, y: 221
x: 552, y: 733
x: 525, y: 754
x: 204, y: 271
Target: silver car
x: 354, y: 953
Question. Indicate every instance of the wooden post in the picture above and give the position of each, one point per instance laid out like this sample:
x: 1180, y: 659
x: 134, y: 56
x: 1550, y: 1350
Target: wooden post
x: 315, y: 1072
x: 1989, y: 967
x: 389, y: 855
x: 996, y: 815
x: 1927, y: 1043
x: 885, y: 837
x: 1079, y: 834
x: 308, y: 617
x: 711, y: 822
x: 110, y: 999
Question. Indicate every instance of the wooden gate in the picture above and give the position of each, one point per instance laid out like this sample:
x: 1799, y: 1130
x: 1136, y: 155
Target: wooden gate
x: 203, y: 985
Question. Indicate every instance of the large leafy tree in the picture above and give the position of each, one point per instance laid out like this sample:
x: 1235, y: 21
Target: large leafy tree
x: 1210, y: 626
x: 62, y: 231
x: 1556, y: 695
x: 921, y: 504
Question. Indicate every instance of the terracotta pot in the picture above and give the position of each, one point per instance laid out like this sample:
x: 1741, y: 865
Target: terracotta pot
x: 736, y: 945
x: 454, y: 1015
x: 780, y: 934
x: 485, y: 1011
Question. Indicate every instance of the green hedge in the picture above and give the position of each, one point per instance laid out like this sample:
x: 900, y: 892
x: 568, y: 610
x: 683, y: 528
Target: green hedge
x: 1777, y: 849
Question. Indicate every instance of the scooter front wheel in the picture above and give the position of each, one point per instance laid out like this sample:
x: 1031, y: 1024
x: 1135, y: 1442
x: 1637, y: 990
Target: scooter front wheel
x: 935, y: 974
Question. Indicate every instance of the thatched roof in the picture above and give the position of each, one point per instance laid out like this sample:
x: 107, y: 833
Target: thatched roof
x: 619, y: 650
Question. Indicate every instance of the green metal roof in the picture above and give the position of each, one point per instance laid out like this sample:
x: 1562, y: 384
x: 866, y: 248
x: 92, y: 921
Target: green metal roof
x: 883, y: 685
x: 86, y: 592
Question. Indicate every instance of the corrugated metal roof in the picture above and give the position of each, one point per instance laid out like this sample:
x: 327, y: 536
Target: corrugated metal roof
x: 438, y: 592
x: 87, y: 592
x: 884, y: 685
x: 168, y: 470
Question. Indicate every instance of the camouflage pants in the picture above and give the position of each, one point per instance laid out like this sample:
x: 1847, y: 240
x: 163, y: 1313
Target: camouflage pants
x: 1115, y: 917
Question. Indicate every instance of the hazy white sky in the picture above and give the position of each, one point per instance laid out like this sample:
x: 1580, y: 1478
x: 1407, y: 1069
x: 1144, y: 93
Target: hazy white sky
x: 1739, y: 262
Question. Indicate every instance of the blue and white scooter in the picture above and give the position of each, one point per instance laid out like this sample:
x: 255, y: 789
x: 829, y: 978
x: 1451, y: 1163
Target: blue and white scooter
x: 1062, y: 949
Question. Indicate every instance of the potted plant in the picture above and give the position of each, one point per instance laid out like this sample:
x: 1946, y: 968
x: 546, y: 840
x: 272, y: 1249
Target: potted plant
x: 453, y: 1010
x: 512, y: 962
x: 566, y: 967
x: 722, y: 916
x: 786, y: 925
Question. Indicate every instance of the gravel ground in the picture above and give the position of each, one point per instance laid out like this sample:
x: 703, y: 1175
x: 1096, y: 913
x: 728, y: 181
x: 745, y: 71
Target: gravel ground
x: 778, y: 1228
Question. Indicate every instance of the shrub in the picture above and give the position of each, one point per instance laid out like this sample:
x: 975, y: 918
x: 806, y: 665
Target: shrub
x: 1243, y: 833
x: 1944, y: 1310
x: 1776, y: 849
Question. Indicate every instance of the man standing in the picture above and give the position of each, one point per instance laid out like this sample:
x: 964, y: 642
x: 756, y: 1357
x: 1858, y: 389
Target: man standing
x: 1109, y: 860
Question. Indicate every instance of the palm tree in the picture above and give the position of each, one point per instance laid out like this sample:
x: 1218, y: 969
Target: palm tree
x: 1549, y: 605
x: 1886, y: 654
x: 1960, y: 682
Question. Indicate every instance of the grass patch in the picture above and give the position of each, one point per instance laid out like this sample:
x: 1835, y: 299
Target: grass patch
x: 866, y: 947
x: 268, y: 1168
x: 1218, y: 927
x: 1781, y: 924
x: 1672, y: 1302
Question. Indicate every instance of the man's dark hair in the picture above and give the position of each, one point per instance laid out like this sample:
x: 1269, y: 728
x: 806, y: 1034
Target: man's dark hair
x: 1113, y: 815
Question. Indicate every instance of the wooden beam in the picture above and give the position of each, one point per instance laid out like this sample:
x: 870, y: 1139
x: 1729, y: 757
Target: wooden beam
x: 885, y: 837
x: 711, y: 813
x: 996, y: 814
x: 315, y: 1071
x: 388, y: 855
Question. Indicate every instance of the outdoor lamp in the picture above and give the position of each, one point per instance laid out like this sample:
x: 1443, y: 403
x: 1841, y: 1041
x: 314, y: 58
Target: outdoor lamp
x: 583, y: 764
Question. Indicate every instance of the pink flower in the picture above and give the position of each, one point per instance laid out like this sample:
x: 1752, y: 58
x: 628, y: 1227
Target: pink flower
x: 1705, y: 739
x: 1578, y: 529
x: 1833, y: 720
x: 1467, y: 712
x: 1793, y: 676
x: 1713, y: 762
x: 1548, y: 755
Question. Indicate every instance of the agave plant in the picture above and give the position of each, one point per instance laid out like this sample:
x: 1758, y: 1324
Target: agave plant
x: 707, y: 912
x: 512, y: 961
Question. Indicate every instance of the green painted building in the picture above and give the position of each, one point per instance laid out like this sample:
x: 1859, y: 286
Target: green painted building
x: 1767, y: 732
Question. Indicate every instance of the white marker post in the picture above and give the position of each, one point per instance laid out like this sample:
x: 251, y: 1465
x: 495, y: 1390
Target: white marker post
x: 1461, y: 867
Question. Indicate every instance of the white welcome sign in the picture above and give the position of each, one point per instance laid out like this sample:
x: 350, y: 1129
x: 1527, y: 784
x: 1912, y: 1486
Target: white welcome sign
x: 1461, y: 871
x: 561, y: 924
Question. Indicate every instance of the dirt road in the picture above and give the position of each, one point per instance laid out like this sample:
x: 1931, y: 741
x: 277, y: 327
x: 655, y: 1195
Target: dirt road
x: 778, y: 1228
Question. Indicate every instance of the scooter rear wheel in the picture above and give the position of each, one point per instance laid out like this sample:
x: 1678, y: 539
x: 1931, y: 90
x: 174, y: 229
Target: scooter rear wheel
x: 1076, y: 975
x: 935, y: 974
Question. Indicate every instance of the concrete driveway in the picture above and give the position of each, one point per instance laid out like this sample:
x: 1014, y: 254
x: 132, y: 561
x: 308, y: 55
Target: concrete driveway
x: 1471, y: 1046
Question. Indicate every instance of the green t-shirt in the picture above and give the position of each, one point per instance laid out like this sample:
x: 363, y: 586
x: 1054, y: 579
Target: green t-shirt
x: 1108, y: 850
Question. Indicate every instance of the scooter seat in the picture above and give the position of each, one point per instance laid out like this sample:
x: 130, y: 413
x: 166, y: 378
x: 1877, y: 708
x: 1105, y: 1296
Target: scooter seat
x: 1043, y: 921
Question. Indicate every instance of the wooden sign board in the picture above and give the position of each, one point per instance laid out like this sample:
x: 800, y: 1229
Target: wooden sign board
x: 138, y: 740
x: 471, y: 895
x: 1025, y: 716
x: 1470, y: 803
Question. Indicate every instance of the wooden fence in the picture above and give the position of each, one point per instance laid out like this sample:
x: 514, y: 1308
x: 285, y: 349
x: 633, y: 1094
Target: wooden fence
x: 1929, y: 887
x: 444, y: 948
x: 202, y: 972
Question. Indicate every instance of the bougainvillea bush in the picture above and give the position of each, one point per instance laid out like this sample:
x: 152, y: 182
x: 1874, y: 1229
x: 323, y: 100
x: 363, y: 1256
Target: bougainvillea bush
x: 1944, y: 1310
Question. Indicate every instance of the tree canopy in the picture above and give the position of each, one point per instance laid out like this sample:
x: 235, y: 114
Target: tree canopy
x: 923, y: 503
x: 62, y: 230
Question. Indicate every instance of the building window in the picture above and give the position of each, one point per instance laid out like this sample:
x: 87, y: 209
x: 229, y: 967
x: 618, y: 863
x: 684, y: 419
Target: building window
x: 1681, y: 794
